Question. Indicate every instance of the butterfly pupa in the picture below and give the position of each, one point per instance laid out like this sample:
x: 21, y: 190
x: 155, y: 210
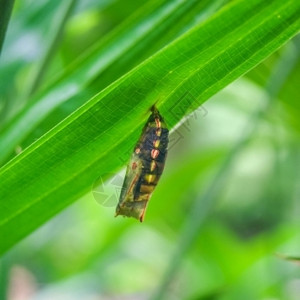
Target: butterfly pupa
x: 145, y: 167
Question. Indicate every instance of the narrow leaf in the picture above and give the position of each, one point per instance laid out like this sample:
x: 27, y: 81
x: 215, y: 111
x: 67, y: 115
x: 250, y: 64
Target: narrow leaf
x: 96, y: 139
x: 149, y: 29
x: 5, y: 12
x: 56, y: 34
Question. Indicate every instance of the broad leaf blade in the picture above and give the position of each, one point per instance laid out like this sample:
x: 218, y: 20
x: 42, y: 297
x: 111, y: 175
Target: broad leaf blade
x: 123, y: 49
x: 64, y: 163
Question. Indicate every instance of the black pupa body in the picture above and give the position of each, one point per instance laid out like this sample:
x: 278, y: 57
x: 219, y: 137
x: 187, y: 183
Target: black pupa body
x: 145, y: 168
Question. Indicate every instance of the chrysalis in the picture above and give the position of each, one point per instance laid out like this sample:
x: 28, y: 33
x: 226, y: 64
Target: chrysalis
x: 145, y: 168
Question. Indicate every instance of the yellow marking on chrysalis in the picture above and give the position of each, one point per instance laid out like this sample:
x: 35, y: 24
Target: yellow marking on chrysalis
x: 158, y: 132
x: 146, y: 190
x: 152, y: 165
x: 150, y: 178
x: 156, y: 143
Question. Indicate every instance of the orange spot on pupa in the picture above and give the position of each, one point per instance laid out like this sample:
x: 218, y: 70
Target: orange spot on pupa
x: 154, y: 153
x: 157, y: 122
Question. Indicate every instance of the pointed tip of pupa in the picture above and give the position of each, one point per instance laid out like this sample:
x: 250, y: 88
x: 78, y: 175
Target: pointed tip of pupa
x: 154, y: 108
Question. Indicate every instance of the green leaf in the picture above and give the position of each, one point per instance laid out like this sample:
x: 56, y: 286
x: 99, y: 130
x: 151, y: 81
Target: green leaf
x: 63, y: 164
x: 56, y: 34
x: 150, y: 28
x: 289, y: 93
x: 5, y: 12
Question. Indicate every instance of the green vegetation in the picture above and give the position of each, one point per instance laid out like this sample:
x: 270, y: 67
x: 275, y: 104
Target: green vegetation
x: 78, y: 79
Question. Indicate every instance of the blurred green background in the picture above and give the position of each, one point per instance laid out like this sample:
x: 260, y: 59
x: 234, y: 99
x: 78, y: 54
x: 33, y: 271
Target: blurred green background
x: 225, y: 214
